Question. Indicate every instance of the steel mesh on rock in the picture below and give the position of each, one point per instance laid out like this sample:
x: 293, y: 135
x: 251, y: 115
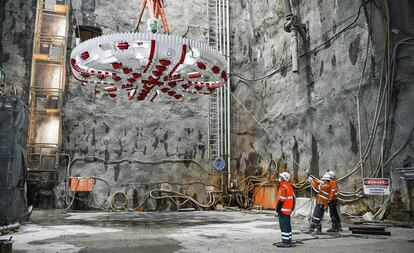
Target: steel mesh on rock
x: 13, y: 137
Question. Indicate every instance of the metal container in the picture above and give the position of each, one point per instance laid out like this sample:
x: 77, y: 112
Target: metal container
x: 80, y: 184
x: 265, y: 195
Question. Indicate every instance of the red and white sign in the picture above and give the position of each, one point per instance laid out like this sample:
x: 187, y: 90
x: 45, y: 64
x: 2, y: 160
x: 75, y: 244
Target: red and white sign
x: 376, y: 186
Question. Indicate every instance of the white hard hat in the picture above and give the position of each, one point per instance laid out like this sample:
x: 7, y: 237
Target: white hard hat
x: 285, y: 176
x: 331, y: 173
x: 326, y: 177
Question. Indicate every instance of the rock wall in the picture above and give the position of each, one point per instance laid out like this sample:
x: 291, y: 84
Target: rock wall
x: 154, y: 138
x: 16, y: 42
x: 311, y: 116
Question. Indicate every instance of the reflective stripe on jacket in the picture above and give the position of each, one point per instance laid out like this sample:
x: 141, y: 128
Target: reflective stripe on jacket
x: 286, y: 194
x: 323, y: 190
x: 334, y: 190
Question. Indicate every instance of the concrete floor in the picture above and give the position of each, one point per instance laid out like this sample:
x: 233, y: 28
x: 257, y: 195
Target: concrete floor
x: 54, y: 231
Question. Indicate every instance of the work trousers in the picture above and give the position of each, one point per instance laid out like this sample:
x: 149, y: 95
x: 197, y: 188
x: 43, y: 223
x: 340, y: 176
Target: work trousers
x: 333, y: 212
x: 285, y: 227
x: 318, y: 213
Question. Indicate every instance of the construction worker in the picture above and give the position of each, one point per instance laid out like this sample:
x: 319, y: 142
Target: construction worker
x: 323, y: 188
x: 333, y: 204
x: 285, y: 204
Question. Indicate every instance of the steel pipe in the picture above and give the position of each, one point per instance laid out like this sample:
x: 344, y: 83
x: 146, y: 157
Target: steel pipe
x: 287, y: 7
x: 228, y: 95
x: 294, y: 50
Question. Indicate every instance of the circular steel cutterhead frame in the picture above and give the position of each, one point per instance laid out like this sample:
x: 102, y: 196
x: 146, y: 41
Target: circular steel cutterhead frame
x: 138, y: 64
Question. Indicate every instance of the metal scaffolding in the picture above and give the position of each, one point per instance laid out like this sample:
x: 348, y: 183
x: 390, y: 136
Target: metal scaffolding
x: 47, y: 84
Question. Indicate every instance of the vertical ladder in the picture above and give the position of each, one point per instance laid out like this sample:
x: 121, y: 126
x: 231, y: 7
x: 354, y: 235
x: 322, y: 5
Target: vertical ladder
x: 214, y: 135
x: 215, y: 112
x: 212, y: 23
x: 218, y: 12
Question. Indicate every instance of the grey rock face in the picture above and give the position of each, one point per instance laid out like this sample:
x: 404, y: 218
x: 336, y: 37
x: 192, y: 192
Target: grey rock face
x: 312, y: 116
x: 142, y: 131
x: 16, y: 42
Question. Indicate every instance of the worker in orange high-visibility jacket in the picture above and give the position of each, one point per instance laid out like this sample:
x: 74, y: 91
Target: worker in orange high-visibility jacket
x: 333, y: 204
x: 285, y: 203
x: 323, y: 189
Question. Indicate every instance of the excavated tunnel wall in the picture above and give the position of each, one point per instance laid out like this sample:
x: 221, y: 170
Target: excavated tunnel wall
x: 139, y: 132
x: 311, y: 116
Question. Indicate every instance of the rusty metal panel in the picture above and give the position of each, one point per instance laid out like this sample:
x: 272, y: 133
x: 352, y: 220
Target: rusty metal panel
x: 81, y: 184
x: 265, y: 195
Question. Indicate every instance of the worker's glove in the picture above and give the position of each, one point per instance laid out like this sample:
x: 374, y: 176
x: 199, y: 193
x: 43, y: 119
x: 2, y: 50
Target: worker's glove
x: 309, y: 179
x: 276, y: 212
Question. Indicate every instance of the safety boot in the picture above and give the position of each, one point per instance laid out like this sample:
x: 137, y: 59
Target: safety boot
x: 339, y: 226
x: 318, y: 229
x: 312, y: 228
x: 334, y: 228
x: 283, y: 244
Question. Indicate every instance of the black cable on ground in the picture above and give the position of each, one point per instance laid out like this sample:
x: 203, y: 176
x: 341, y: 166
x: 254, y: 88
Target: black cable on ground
x: 335, y: 236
